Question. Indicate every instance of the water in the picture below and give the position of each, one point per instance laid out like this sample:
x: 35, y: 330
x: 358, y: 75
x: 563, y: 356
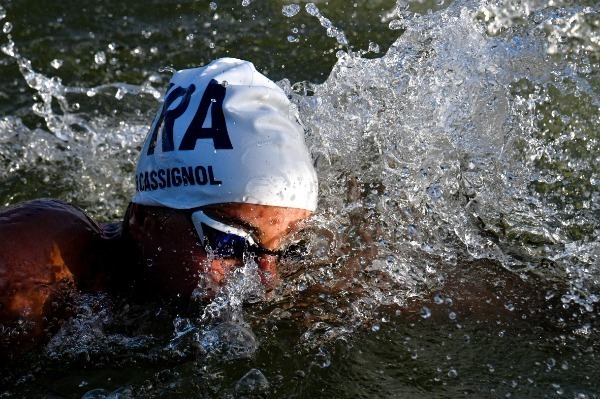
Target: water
x: 455, y: 250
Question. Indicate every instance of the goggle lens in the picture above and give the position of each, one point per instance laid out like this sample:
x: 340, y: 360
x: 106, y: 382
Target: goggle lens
x: 225, y: 240
x: 224, y: 244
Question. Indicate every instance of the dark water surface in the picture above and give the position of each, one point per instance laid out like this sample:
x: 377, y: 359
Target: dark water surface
x: 456, y: 249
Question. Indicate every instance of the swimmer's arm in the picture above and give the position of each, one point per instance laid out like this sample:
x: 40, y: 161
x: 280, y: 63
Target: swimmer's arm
x: 46, y: 250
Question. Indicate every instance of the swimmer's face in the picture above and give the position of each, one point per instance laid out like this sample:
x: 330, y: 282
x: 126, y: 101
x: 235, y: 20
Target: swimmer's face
x: 174, y: 259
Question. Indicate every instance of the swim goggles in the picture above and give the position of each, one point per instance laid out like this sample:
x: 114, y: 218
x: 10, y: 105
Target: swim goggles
x: 225, y: 240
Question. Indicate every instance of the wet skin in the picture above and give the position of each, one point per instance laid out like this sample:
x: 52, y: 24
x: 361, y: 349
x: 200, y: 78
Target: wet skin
x: 50, y: 249
x: 173, y: 259
x: 45, y: 248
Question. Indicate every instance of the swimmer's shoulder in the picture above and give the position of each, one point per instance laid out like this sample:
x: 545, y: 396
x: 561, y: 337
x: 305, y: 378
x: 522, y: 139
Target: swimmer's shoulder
x: 34, y: 231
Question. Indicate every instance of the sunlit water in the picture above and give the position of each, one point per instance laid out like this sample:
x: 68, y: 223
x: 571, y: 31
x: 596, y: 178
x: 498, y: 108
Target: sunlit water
x: 464, y: 155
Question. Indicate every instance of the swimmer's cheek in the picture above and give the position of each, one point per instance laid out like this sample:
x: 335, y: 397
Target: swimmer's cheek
x: 195, y: 276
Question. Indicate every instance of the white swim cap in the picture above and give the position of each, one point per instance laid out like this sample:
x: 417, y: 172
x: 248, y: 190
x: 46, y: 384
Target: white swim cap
x: 225, y: 133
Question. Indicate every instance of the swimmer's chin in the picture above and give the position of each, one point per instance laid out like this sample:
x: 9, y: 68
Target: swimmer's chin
x: 211, y: 276
x: 202, y: 280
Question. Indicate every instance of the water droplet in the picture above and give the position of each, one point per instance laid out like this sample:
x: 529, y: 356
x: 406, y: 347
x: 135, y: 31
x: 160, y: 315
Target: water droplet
x: 425, y: 312
x: 56, y: 63
x: 438, y: 299
x: 136, y: 52
x: 584, y: 330
x: 396, y: 24
x: 452, y: 316
x: 412, y: 230
x: 7, y: 27
x: 100, y: 58
x: 452, y: 373
x: 2, y: 13
x: 253, y: 384
x: 9, y: 48
x: 322, y: 359
x: 290, y: 10
x: 120, y: 93
x: 312, y: 9
x: 292, y: 39
x: 491, y: 367
x: 375, y: 327
x: 434, y: 191
x: 211, y: 45
x: 373, y: 47
x: 509, y: 306
x: 245, y: 3
x: 167, y: 69
x: 213, y: 5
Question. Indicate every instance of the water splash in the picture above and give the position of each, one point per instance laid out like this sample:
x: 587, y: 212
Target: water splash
x: 448, y: 136
x: 290, y: 10
x: 221, y: 330
x: 470, y: 137
x: 332, y: 31
x: 88, y: 154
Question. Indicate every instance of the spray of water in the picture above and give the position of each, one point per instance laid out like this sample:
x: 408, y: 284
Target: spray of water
x: 87, y: 154
x: 474, y: 137
x: 459, y: 141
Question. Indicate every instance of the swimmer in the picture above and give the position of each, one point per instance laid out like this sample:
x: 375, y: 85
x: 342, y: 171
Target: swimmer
x: 224, y: 174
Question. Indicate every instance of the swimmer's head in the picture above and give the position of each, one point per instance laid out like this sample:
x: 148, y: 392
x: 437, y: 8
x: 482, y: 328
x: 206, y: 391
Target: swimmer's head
x: 225, y: 133
x: 224, y: 170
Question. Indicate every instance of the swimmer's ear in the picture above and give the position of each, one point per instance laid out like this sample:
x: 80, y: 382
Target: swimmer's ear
x: 134, y: 219
x: 141, y: 222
